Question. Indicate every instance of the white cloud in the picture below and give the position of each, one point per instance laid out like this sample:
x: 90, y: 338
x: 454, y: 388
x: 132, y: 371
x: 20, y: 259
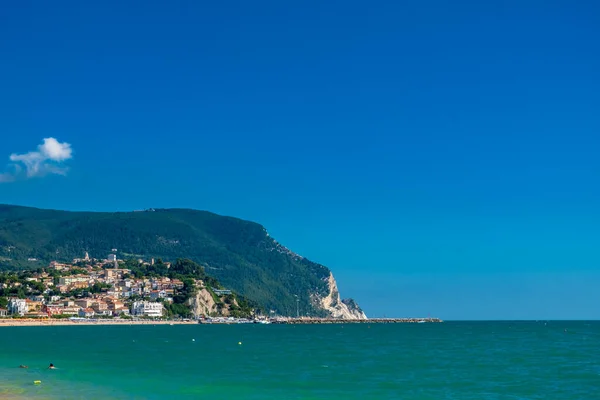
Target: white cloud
x: 48, y: 159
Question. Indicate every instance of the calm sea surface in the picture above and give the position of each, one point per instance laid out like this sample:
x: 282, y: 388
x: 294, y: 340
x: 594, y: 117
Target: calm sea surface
x: 452, y: 360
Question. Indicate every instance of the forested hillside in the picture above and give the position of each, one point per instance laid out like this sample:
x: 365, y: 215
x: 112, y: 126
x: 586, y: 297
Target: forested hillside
x: 239, y: 253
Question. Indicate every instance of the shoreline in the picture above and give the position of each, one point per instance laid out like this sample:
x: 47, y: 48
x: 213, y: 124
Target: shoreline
x: 67, y: 322
x: 316, y: 321
x: 290, y: 321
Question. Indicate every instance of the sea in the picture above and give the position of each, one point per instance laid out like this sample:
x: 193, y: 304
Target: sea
x: 450, y: 360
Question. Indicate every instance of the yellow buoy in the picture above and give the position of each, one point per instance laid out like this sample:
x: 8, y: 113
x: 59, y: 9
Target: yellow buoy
x: 239, y: 342
x: 37, y: 382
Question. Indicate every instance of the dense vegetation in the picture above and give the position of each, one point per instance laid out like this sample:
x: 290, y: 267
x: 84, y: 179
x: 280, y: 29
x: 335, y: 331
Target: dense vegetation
x: 240, y: 254
x: 187, y: 271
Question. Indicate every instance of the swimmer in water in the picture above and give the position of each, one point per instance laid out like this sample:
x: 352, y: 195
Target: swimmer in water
x: 51, y: 366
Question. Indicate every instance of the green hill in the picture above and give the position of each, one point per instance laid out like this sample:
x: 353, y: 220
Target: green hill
x: 240, y: 254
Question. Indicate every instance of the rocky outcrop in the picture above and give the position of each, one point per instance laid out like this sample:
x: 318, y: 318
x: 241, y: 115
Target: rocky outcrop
x: 337, y: 308
x: 203, y: 303
x: 354, y: 308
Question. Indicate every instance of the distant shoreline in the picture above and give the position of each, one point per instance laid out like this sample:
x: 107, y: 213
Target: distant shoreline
x: 317, y: 321
x: 289, y: 321
x: 68, y: 322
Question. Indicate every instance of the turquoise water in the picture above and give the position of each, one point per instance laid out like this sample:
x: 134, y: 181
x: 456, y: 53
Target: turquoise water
x: 453, y: 360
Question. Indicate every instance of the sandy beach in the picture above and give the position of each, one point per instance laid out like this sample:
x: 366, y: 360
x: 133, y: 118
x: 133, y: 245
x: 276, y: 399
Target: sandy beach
x: 66, y: 322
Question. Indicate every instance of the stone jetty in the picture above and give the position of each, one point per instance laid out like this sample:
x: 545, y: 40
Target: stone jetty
x: 355, y: 321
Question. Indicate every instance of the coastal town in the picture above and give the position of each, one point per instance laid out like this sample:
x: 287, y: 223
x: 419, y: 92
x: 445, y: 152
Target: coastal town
x: 90, y: 288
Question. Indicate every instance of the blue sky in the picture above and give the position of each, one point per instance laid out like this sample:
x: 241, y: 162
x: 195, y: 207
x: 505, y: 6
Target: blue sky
x: 440, y: 157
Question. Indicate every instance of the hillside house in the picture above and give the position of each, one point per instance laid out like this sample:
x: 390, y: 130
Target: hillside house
x: 53, y: 309
x: 99, y: 307
x: 47, y: 281
x: 177, y: 284
x: 124, y: 311
x: 78, y: 285
x: 84, y: 303
x: 58, y: 266
x: 86, y: 312
x: 71, y: 310
x: 115, y: 273
x: 33, y: 306
x: 158, y: 294
x: 38, y: 298
x: 69, y: 280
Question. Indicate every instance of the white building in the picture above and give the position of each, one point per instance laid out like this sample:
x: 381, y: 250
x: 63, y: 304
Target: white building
x: 68, y: 280
x: 112, y: 258
x: 17, y: 306
x: 148, y: 309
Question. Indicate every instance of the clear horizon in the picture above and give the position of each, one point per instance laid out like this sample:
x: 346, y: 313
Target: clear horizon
x: 440, y: 159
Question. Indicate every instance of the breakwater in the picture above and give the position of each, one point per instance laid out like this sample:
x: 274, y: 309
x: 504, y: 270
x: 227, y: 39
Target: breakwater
x: 356, y: 321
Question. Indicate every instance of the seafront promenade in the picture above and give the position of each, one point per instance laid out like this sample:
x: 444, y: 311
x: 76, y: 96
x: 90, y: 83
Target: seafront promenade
x: 69, y: 322
x: 293, y: 321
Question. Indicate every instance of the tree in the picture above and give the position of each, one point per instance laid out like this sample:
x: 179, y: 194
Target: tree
x: 174, y: 309
x: 38, y: 287
x: 187, y: 267
x: 97, y: 287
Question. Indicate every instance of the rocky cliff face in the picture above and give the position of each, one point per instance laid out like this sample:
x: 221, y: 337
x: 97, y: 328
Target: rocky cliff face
x: 203, y: 303
x: 337, y: 308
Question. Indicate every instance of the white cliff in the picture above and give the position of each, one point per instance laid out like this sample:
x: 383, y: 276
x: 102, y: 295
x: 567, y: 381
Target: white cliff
x: 203, y: 303
x: 337, y: 308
